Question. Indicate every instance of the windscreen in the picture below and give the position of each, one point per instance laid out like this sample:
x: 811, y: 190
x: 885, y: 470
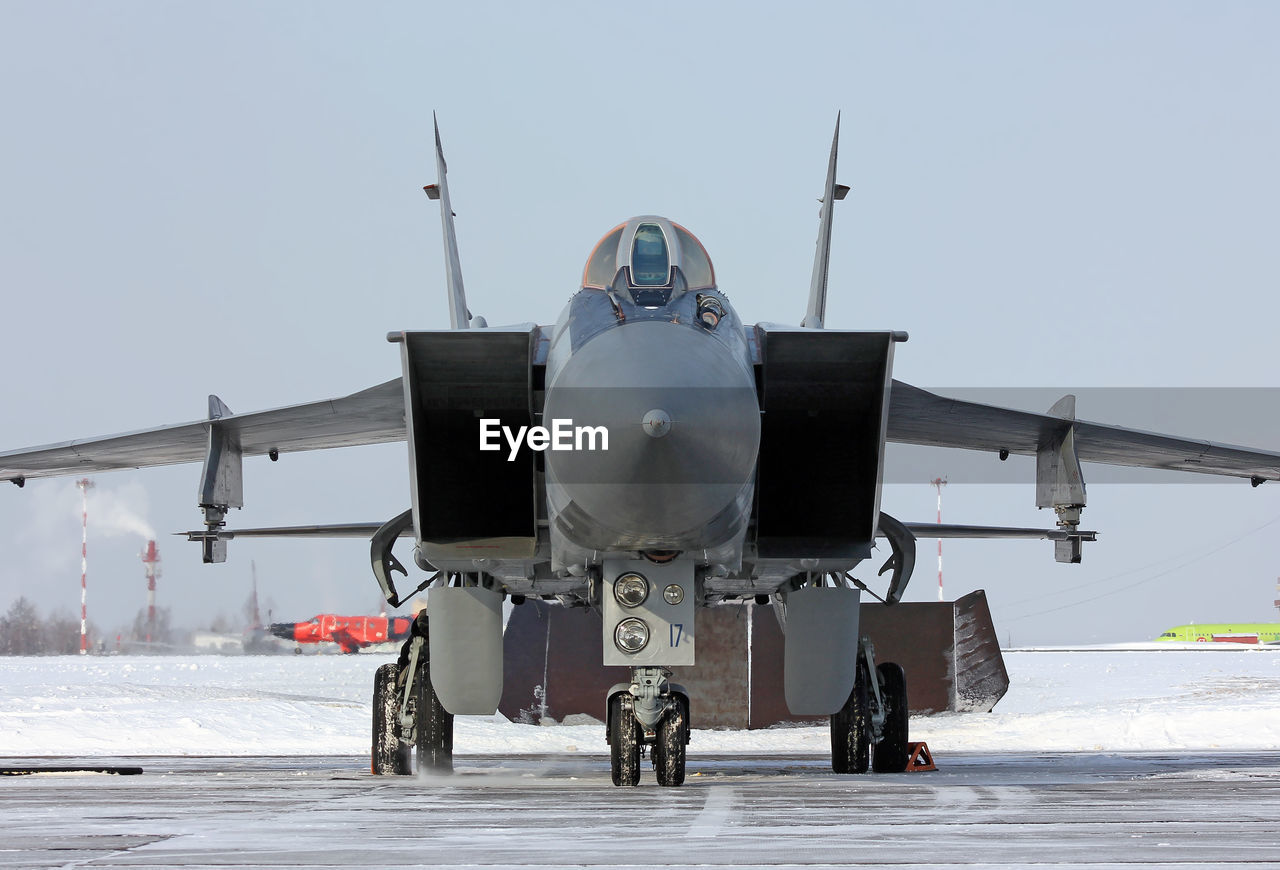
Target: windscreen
x: 650, y: 260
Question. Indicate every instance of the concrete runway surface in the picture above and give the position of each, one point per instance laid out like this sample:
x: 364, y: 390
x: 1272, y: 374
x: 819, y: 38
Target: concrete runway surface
x: 1067, y: 810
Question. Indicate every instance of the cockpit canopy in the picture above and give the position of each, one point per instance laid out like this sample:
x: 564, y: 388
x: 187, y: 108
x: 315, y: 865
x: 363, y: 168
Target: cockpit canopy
x: 652, y: 256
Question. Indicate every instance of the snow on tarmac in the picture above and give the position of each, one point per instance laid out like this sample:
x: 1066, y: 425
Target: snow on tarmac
x: 1058, y: 700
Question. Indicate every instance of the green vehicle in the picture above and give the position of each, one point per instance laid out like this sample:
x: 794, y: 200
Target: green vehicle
x: 1224, y: 632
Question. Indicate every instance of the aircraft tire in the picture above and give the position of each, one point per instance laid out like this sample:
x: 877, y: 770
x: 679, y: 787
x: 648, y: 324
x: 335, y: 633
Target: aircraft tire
x: 669, y: 748
x: 851, y: 729
x: 435, y: 727
x: 890, y: 754
x: 624, y: 741
x: 390, y: 756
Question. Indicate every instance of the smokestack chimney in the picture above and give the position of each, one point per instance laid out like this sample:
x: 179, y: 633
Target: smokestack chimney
x: 151, y: 562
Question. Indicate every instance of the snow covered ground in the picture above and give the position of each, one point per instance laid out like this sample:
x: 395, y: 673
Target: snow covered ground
x: 1059, y: 700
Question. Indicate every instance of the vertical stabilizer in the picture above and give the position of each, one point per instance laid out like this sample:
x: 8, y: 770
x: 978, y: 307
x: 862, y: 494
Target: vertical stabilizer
x: 816, y: 314
x: 459, y: 316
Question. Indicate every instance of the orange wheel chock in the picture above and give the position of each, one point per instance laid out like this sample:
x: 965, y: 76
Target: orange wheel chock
x: 921, y: 758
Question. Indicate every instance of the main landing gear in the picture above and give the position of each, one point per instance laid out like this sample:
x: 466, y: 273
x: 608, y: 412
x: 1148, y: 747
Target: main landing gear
x: 870, y: 730
x: 407, y: 714
x: 648, y: 713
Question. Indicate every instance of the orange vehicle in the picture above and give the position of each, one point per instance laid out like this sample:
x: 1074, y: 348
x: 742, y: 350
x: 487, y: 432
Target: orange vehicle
x: 350, y: 633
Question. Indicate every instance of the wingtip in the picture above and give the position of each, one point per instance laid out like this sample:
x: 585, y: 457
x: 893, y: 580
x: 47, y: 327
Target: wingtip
x: 218, y: 409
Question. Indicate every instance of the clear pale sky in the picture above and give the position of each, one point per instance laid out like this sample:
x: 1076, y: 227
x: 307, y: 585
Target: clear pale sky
x: 226, y: 198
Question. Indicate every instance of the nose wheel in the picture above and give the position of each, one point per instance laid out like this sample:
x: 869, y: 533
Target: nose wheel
x: 649, y: 713
x: 669, y: 744
x: 624, y: 741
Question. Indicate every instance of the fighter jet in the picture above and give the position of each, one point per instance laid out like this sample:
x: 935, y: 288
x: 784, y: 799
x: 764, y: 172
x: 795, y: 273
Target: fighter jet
x: 647, y: 455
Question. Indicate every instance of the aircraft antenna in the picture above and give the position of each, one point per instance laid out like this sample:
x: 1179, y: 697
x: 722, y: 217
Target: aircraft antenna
x: 151, y: 563
x: 85, y: 485
x: 938, y: 483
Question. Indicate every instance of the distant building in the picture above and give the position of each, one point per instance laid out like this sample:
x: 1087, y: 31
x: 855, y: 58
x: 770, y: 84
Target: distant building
x: 212, y: 642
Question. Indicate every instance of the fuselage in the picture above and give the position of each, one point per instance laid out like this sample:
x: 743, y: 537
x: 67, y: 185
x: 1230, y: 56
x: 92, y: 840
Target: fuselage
x: 349, y: 632
x: 1224, y: 632
x: 665, y: 369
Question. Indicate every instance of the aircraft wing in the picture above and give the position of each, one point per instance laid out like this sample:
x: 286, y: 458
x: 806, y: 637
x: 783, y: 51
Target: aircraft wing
x: 917, y: 416
x: 370, y: 416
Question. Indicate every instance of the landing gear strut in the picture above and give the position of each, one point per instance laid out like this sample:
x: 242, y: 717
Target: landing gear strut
x: 650, y: 712
x: 870, y: 730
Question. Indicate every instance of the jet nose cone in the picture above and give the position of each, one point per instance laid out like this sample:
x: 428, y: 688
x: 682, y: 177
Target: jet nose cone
x: 656, y: 423
x: 683, y: 428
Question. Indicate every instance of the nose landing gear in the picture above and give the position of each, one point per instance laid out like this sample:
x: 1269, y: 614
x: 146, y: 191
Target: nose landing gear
x: 648, y: 713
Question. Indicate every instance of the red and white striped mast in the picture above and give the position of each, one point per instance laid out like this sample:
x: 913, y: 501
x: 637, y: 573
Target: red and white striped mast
x: 938, y: 483
x: 151, y: 562
x: 85, y: 485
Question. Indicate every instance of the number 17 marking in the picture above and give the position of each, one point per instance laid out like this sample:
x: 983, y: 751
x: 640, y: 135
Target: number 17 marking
x: 677, y: 631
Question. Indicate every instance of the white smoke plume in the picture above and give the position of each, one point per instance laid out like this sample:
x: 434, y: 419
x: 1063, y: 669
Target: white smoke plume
x: 114, y: 510
x: 42, y: 551
x: 119, y: 510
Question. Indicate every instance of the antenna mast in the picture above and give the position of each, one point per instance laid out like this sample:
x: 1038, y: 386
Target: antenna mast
x: 938, y: 483
x: 85, y: 485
